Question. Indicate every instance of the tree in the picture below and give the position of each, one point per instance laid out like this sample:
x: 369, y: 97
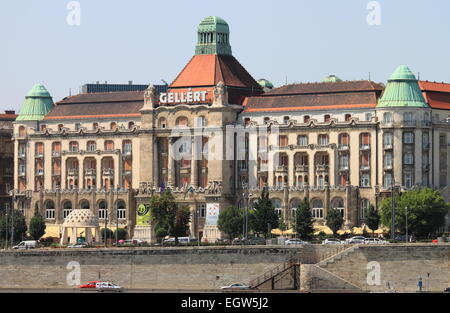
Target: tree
x: 264, y: 216
x: 179, y: 225
x: 426, y: 212
x: 372, y: 218
x: 121, y: 234
x: 303, y: 221
x: 230, y: 222
x: 334, y: 220
x: 20, y: 226
x: 37, y: 225
x: 168, y: 218
x: 109, y: 233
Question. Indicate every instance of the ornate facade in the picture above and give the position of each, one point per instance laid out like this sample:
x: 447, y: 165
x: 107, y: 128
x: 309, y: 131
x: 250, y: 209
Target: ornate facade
x: 341, y: 144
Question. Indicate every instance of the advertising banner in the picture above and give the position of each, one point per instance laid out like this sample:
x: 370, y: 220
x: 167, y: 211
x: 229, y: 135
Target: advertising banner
x: 143, y: 215
x: 212, y: 213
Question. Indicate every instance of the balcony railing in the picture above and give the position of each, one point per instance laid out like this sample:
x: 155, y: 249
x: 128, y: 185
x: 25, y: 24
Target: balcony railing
x: 343, y: 147
x: 387, y: 167
x: 426, y: 166
x: 301, y: 168
x: 322, y: 167
x: 39, y: 155
x: 90, y: 172
x: 409, y: 123
x: 56, y: 154
x: 365, y: 167
x: 343, y: 168
x: 108, y: 172
x: 425, y: 146
x: 364, y: 147
x: 281, y: 168
x: 39, y: 172
x: 72, y: 172
x: 387, y: 146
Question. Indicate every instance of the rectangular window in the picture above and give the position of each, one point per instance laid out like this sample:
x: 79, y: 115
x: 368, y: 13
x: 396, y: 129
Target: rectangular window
x: 408, y: 180
x: 365, y: 180
x: 323, y: 140
x: 302, y: 140
x: 283, y: 140
x: 408, y: 158
x: 408, y: 138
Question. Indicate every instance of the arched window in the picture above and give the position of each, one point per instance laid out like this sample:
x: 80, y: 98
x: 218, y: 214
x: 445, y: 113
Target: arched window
x: 306, y: 119
x: 162, y: 123
x: 67, y: 208
x: 387, y: 140
x: 60, y: 127
x: 109, y: 145
x: 387, y: 118
x: 94, y: 126
x: 294, y: 205
x: 120, y: 208
x: 130, y: 125
x: 317, y: 208
x: 73, y: 146
x: 364, y: 205
x: 276, y: 203
x: 113, y: 125
x: 182, y: 121
x: 326, y: 118
x: 102, y: 211
x: 84, y: 204
x: 201, y: 121
x: 338, y: 204
x: 21, y: 131
x: 49, y: 209
x: 344, y: 140
x: 91, y: 146
x: 127, y: 146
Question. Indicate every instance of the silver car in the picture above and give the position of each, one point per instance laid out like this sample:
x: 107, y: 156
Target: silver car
x: 295, y: 241
x: 331, y: 241
x: 375, y: 241
x: 236, y: 286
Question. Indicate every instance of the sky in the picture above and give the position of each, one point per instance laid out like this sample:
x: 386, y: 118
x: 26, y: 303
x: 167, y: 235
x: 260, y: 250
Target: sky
x: 147, y: 41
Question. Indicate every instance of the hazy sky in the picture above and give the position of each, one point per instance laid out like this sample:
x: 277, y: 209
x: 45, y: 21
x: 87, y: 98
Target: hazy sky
x: 146, y: 41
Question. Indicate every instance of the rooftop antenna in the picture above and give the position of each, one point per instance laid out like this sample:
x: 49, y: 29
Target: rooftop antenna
x: 286, y: 80
x: 369, y: 76
x: 70, y: 92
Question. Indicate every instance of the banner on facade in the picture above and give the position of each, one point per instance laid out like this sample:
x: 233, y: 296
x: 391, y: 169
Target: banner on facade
x: 143, y: 215
x: 212, y: 213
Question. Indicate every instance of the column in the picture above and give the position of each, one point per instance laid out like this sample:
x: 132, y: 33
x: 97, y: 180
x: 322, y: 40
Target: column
x: 193, y: 223
x: 64, y: 236
x: 63, y: 173
x: 170, y: 165
x: 97, y: 234
x: 88, y: 235
x: 326, y: 202
x: 194, y: 160
x: 98, y: 173
x: 291, y: 168
x: 73, y: 236
x: 80, y: 173
x: 155, y: 163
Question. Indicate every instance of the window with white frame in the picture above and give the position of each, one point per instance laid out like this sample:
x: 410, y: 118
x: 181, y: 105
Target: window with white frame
x: 387, y: 139
x: 408, y: 180
x: 408, y: 138
x: 317, y: 208
x: 365, y: 180
x: 67, y: 208
x: 323, y: 140
x: 408, y: 158
x: 387, y: 180
x: 201, y: 209
x: 388, y: 160
x: 387, y: 118
x: 302, y: 140
x: 364, y: 205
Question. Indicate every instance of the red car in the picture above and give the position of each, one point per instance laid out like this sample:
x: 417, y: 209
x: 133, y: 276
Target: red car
x: 90, y: 284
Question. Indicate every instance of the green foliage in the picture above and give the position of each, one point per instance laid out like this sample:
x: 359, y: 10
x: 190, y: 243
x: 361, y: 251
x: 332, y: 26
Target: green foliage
x: 372, y: 219
x: 121, y: 234
x: 264, y: 215
x: 109, y: 233
x: 426, y: 212
x: 20, y: 226
x: 334, y: 220
x: 37, y: 225
x: 303, y: 222
x: 168, y: 219
x: 230, y: 222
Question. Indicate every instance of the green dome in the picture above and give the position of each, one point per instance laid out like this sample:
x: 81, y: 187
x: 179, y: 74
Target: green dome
x: 265, y: 83
x: 402, y: 90
x: 213, y: 37
x: 331, y: 79
x: 38, y: 102
x: 213, y: 24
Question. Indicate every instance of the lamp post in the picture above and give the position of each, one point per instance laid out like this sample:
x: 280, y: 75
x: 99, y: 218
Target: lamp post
x: 6, y: 232
x: 393, y: 212
x: 117, y: 216
x: 246, y: 195
x: 406, y: 218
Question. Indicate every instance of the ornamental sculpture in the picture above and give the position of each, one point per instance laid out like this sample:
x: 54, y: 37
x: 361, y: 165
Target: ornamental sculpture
x: 150, y: 96
x: 220, y: 94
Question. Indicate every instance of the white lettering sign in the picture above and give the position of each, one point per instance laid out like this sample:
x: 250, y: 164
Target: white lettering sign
x: 183, y: 97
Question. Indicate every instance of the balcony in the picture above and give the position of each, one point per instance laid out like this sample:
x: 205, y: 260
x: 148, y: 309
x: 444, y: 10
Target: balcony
x: 90, y: 172
x: 108, y: 172
x: 56, y: 154
x: 56, y: 173
x: 22, y: 173
x: 126, y: 153
x: 343, y: 168
x: 183, y: 170
x: 426, y: 123
x: 387, y: 167
x: 281, y: 168
x: 72, y: 172
x: 344, y: 147
x: 409, y: 123
x: 322, y: 167
x: 425, y: 146
x: 365, y: 167
x: 40, y: 172
x: 364, y: 147
x: 128, y: 172
x: 22, y: 154
x: 301, y: 168
x: 425, y: 166
x: 39, y: 155
x: 387, y: 146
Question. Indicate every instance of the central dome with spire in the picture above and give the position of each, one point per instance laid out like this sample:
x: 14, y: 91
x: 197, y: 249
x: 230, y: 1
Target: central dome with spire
x: 213, y: 37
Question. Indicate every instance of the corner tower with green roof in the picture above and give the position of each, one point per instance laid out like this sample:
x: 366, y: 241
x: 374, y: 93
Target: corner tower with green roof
x: 213, y: 37
x: 37, y: 104
x: 402, y: 90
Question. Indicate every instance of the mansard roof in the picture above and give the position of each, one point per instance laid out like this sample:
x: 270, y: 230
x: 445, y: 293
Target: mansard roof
x: 317, y: 96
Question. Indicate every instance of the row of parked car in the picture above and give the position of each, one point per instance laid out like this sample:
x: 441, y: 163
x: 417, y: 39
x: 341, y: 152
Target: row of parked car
x: 334, y: 241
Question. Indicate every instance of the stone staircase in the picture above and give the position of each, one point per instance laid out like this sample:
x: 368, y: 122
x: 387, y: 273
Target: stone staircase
x: 337, y: 257
x: 269, y: 279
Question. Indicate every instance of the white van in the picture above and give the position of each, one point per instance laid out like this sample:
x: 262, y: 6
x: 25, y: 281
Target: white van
x: 28, y: 244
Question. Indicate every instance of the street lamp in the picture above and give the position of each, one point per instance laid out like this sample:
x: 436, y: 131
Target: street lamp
x: 406, y: 218
x: 246, y: 195
x: 393, y: 211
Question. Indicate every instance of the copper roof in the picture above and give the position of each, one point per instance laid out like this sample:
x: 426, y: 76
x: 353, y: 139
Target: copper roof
x: 8, y: 117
